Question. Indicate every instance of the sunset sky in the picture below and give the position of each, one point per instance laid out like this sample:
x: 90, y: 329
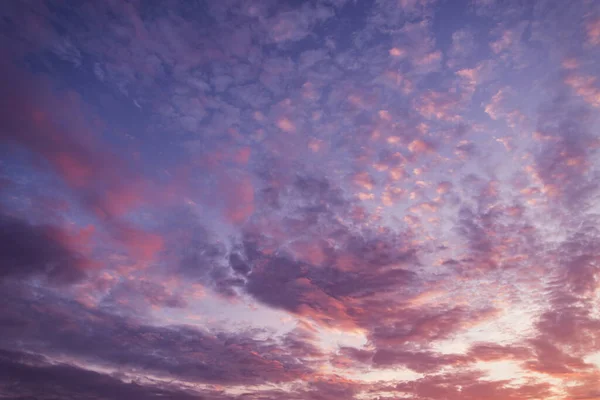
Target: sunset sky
x: 300, y: 200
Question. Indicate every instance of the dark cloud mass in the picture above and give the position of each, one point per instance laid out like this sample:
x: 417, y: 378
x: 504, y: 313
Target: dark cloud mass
x: 36, y: 250
x: 303, y: 200
x: 28, y: 377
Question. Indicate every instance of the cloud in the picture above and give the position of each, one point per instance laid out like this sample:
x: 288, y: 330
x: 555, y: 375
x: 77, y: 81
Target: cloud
x: 297, y: 24
x: 59, y: 135
x: 506, y: 39
x: 563, y: 164
x: 58, y: 327
x: 35, y: 120
x: 469, y: 385
x: 38, y: 251
x: 33, y: 376
x: 494, y: 352
x: 238, y: 196
x: 462, y: 47
x: 418, y: 362
x: 364, y: 180
x: 552, y: 361
x: 425, y: 325
x: 438, y: 105
x: 586, y: 87
x: 136, y: 294
x: 258, y: 200
x: 593, y: 31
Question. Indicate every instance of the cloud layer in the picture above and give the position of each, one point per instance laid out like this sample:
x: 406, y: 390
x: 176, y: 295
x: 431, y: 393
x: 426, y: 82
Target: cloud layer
x: 319, y: 200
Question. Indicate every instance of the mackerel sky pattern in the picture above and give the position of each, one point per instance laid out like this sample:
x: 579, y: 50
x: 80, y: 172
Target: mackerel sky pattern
x: 302, y: 200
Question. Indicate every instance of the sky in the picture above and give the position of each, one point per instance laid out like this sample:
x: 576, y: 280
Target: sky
x: 300, y: 200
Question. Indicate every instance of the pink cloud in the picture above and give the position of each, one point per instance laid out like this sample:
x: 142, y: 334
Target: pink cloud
x: 286, y: 125
x: 438, y: 105
x: 586, y: 87
x: 142, y: 245
x: 364, y: 180
x: 238, y: 196
x: 592, y: 28
x: 420, y: 146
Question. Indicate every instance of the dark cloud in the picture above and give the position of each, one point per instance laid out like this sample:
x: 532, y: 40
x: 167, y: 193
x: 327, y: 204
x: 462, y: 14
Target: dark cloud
x: 578, y: 259
x: 25, y: 376
x: 42, y: 251
x: 48, y: 324
x: 567, y: 330
x: 357, y: 269
x: 564, y: 160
